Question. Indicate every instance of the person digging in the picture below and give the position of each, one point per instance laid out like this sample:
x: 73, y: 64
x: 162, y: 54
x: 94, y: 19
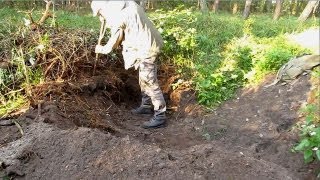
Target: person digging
x: 141, y: 43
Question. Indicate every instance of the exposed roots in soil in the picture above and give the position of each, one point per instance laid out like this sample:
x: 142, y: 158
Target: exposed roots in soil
x: 65, y: 59
x: 53, y: 68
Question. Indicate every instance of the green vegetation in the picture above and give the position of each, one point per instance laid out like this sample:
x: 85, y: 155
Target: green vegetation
x: 9, y: 23
x: 219, y: 53
x: 74, y: 21
x: 310, y: 128
x: 20, y: 48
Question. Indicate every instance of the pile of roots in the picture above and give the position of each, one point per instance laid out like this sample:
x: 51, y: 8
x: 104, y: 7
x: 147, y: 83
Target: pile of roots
x: 61, y: 54
x: 42, y: 60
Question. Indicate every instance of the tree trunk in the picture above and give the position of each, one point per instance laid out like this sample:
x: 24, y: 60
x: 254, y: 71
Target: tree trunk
x: 246, y: 11
x: 143, y: 3
x: 235, y: 8
x: 150, y: 4
x: 261, y: 6
x: 77, y: 5
x: 294, y: 7
x: 315, y: 8
x: 277, y: 11
x: 215, y: 6
x: 298, y: 7
x: 268, y: 5
x: 203, y: 5
x: 307, y: 10
x: 10, y: 3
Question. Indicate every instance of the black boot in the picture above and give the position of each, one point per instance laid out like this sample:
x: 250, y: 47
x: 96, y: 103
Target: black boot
x: 157, y: 121
x: 143, y: 110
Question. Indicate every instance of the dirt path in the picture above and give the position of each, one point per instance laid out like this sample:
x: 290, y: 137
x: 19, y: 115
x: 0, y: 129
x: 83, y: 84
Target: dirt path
x: 249, y: 137
x: 260, y: 123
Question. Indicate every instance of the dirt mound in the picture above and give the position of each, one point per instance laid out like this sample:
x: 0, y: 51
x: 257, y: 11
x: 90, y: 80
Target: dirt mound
x: 79, y: 126
x: 91, y: 136
x: 46, y: 151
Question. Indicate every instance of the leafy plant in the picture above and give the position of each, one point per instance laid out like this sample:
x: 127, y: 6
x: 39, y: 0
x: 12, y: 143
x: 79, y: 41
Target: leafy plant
x: 310, y: 129
x: 221, y: 53
x: 218, y: 53
x: 310, y: 134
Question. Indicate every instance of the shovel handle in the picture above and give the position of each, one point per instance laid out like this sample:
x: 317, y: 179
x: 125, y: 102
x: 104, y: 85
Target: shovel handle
x: 102, y: 32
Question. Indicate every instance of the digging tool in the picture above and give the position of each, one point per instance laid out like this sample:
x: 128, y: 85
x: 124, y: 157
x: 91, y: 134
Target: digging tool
x: 103, y: 29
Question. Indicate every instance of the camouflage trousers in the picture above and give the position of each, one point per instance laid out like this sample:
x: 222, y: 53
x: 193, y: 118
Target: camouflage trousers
x: 150, y: 89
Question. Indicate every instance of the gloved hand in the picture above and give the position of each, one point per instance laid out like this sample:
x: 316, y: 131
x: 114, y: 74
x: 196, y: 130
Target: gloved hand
x: 102, y: 50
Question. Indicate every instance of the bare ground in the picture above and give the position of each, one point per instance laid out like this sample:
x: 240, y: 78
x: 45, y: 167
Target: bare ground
x: 92, y: 135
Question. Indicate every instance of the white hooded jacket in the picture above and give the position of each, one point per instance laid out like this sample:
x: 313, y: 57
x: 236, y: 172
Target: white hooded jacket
x: 130, y: 27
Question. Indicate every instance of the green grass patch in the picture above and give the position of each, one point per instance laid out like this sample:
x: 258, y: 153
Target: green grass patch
x: 74, y: 21
x: 63, y: 19
x: 221, y: 52
x: 12, y: 102
x: 217, y: 53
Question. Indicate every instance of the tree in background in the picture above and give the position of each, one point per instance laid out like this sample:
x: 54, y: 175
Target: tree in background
x: 246, y: 11
x: 277, y: 11
x: 143, y: 3
x: 261, y: 6
x: 151, y: 4
x: 308, y: 9
x: 203, y: 5
x: 268, y: 5
x: 293, y: 8
x: 215, y: 6
x: 235, y: 7
x: 282, y: 7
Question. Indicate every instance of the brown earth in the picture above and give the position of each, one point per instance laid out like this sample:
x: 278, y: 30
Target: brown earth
x: 88, y: 132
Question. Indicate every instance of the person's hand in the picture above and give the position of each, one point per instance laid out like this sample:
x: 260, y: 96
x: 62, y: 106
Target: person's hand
x: 98, y: 49
x: 102, y: 50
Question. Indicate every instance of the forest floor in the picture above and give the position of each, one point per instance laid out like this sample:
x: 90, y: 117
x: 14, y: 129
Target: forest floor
x: 92, y: 135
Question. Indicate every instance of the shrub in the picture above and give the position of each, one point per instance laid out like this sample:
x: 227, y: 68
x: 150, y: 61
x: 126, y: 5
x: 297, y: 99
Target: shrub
x: 220, y: 53
x: 310, y: 129
x: 217, y: 53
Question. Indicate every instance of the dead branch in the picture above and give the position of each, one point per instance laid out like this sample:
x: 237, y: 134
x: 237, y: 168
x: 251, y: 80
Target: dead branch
x: 19, y: 127
x: 46, y: 14
x: 29, y: 14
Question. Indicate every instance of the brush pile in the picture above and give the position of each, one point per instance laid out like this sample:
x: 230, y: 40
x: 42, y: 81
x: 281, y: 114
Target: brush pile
x: 61, y: 54
x: 37, y: 59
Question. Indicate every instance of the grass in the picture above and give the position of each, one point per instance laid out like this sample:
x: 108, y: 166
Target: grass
x: 63, y: 18
x: 15, y: 102
x: 74, y: 21
x: 217, y: 53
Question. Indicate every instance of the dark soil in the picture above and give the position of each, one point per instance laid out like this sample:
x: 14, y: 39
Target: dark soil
x: 90, y: 133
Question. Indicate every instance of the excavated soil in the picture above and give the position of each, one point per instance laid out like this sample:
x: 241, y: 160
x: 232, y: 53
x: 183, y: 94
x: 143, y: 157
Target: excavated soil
x: 88, y: 132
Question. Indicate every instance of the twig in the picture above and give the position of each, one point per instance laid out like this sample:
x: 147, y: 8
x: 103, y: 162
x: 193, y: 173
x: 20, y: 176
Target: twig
x: 80, y: 102
x: 12, y: 92
x: 39, y: 111
x: 113, y: 104
x: 18, y: 126
x: 102, y: 33
x: 29, y: 13
x: 105, y: 93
